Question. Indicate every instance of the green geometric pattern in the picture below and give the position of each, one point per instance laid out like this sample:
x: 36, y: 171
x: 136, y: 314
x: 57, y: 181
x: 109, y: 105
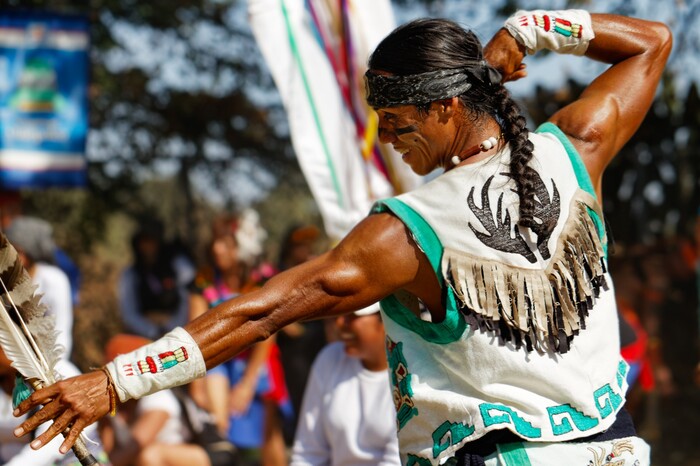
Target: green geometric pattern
x: 508, y: 416
x: 414, y: 460
x: 448, y: 434
x: 401, y: 380
x: 610, y: 404
x: 566, y: 411
x: 622, y: 369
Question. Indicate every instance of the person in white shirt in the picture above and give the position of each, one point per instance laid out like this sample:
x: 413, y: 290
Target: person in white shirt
x: 348, y: 417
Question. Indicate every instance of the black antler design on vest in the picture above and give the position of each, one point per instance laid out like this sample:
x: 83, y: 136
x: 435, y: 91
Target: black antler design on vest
x: 501, y: 234
x: 546, y: 211
x: 504, y: 236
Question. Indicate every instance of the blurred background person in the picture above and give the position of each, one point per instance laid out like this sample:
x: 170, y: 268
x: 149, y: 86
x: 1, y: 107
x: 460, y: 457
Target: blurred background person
x: 247, y: 395
x: 151, y: 431
x: 696, y: 244
x: 11, y: 209
x: 348, y: 415
x: 153, y: 291
x: 633, y: 337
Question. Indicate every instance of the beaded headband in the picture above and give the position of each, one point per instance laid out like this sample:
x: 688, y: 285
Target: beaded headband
x: 418, y: 89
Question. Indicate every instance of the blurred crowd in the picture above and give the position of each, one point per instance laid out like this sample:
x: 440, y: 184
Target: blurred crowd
x: 316, y: 393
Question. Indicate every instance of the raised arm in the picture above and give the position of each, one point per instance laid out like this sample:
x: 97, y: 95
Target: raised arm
x: 612, y: 107
x: 375, y: 259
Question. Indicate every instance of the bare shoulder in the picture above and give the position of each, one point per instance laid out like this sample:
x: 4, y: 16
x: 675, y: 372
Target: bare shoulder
x: 384, y: 253
x: 381, y: 244
x: 589, y: 135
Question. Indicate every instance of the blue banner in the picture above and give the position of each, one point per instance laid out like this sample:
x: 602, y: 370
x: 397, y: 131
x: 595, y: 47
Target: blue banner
x: 44, y: 70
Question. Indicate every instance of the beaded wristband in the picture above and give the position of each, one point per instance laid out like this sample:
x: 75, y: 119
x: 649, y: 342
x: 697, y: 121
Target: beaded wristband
x: 172, y: 360
x: 564, y: 31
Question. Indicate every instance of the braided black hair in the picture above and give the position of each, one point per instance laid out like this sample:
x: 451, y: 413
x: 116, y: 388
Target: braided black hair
x: 425, y: 45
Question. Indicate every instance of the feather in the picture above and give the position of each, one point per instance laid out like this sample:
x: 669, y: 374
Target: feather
x: 27, y: 331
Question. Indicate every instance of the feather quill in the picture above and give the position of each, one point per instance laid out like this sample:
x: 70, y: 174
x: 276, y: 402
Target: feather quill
x: 27, y: 330
x: 29, y: 337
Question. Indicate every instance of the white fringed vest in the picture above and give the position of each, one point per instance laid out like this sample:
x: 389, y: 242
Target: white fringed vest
x: 530, y: 340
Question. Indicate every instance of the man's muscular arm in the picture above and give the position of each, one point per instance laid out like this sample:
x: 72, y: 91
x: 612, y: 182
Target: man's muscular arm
x: 375, y: 259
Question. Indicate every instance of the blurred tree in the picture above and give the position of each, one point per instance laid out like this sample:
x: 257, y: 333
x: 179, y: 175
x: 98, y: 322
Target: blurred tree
x: 173, y: 94
x: 292, y: 197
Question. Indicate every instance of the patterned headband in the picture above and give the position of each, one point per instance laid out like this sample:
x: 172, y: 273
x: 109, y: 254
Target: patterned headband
x: 418, y: 89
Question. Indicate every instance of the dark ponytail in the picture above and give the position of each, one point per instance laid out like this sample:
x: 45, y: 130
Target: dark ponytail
x: 513, y: 126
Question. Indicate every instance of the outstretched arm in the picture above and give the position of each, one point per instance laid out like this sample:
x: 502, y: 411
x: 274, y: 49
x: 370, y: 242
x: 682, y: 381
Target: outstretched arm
x: 375, y: 259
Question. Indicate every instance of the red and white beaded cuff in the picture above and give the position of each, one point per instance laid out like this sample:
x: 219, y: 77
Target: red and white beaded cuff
x: 174, y: 359
x: 563, y: 31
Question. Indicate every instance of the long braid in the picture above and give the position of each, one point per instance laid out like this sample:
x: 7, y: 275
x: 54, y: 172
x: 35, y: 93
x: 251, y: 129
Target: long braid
x: 513, y: 125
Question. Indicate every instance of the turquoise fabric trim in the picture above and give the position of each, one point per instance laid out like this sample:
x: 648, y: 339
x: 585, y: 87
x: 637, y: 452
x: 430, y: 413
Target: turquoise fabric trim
x: 492, y: 414
x: 584, y: 180
x: 425, y: 235
x: 582, y: 177
x: 453, y: 326
x: 514, y: 454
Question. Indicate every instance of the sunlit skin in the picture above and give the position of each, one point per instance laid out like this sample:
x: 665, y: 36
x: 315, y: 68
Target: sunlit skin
x: 428, y: 139
x: 379, y: 257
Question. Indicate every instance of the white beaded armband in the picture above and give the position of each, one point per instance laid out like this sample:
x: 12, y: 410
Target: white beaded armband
x: 565, y: 31
x: 174, y: 359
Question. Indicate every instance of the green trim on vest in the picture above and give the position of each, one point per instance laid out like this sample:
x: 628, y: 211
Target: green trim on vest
x: 453, y: 327
x: 514, y: 454
x: 584, y: 180
x: 582, y: 176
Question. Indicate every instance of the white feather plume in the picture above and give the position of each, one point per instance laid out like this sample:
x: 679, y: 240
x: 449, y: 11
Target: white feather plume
x: 27, y: 333
x: 18, y: 350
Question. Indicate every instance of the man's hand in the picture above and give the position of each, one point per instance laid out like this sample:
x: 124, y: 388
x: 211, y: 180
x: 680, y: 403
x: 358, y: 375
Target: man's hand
x: 74, y: 403
x: 506, y: 54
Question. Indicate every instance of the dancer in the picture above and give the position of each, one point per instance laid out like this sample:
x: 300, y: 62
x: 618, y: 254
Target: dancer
x: 499, y: 312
